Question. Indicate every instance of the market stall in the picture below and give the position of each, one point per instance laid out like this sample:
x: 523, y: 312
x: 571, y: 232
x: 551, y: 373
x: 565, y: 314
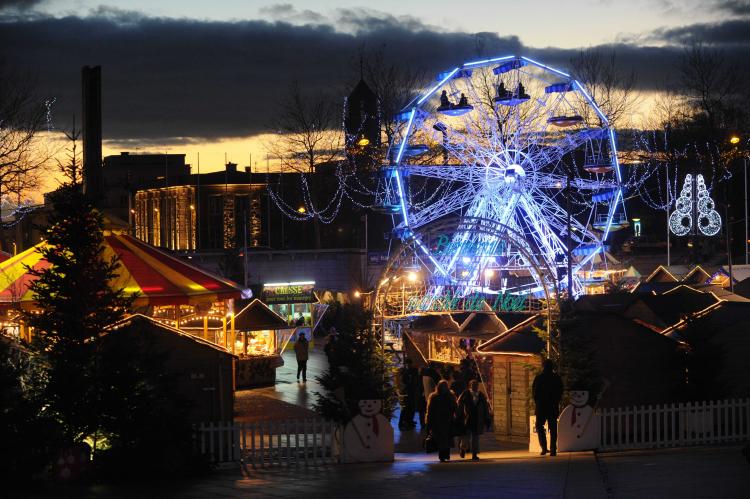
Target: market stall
x: 261, y: 335
x: 420, y: 336
x: 165, y: 288
x: 448, y: 338
x: 296, y: 303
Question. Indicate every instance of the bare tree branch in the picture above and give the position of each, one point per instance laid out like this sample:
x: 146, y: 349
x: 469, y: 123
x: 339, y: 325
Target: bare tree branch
x: 612, y: 90
x: 22, y: 117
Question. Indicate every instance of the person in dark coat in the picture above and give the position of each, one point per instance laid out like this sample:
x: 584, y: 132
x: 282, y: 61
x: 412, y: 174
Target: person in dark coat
x: 331, y: 349
x: 430, y: 378
x: 547, y: 391
x: 474, y: 411
x: 408, y: 375
x: 301, y: 351
x: 441, y: 409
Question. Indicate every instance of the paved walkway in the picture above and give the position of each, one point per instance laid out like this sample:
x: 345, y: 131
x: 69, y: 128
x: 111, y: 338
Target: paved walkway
x: 288, y: 398
x: 506, y: 470
x: 506, y: 474
x: 695, y: 472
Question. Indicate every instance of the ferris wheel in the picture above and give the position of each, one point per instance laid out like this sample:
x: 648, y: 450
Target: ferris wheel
x: 515, y: 145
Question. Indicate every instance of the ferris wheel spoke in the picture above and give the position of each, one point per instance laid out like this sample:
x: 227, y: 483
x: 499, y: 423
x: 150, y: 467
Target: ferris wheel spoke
x: 552, y: 154
x: 558, y: 216
x: 548, y: 241
x: 456, y: 173
x: 559, y: 181
x: 451, y: 203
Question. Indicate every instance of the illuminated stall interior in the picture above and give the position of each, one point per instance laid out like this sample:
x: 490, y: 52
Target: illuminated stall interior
x: 449, y: 338
x: 260, y: 339
x: 429, y: 334
x: 295, y: 302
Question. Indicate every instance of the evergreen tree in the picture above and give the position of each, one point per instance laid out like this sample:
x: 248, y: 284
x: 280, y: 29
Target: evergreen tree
x: 28, y: 435
x: 75, y: 304
x: 578, y: 368
x: 359, y: 367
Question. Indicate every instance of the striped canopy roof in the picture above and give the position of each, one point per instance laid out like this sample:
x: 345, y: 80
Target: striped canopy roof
x: 157, y: 277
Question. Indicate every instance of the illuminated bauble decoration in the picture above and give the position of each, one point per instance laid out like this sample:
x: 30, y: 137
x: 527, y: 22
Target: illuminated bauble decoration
x: 708, y: 219
x: 681, y: 220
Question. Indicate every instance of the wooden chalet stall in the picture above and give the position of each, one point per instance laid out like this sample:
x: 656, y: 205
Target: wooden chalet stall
x: 508, y: 364
x: 261, y: 337
x: 202, y: 371
x: 426, y: 338
x: 448, y: 338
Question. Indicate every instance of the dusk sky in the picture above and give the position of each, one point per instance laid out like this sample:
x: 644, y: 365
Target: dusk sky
x: 205, y: 76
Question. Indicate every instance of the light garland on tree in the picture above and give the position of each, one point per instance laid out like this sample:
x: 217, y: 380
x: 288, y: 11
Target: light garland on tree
x: 681, y: 220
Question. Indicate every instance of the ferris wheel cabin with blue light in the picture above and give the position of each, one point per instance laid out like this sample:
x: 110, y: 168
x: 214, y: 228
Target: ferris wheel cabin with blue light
x: 494, y: 144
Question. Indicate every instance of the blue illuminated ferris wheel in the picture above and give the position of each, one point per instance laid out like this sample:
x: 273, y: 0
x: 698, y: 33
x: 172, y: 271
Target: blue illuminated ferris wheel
x: 515, y: 145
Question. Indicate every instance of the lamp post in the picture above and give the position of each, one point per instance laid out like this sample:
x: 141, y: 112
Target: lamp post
x: 734, y: 140
x: 744, y: 163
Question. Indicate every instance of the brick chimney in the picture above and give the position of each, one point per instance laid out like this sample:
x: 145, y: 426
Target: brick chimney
x: 91, y: 86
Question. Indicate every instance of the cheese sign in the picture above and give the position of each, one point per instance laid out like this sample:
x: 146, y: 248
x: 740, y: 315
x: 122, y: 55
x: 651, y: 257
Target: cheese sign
x: 288, y: 293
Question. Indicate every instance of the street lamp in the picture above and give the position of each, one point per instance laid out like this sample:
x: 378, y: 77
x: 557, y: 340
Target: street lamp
x: 412, y: 276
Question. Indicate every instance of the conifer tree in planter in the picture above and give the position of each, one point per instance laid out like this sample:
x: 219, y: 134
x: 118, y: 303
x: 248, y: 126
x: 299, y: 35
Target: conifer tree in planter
x: 359, y: 367
x: 577, y: 361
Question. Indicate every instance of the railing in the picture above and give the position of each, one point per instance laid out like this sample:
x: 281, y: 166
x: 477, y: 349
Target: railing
x: 309, y: 442
x: 675, y: 425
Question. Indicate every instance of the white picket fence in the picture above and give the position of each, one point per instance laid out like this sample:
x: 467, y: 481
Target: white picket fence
x: 675, y: 425
x: 308, y: 442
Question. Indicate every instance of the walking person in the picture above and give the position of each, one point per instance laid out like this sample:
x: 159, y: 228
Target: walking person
x: 474, y: 410
x: 441, y: 409
x: 547, y: 391
x: 430, y: 378
x: 331, y: 348
x: 302, y: 352
x: 408, y: 390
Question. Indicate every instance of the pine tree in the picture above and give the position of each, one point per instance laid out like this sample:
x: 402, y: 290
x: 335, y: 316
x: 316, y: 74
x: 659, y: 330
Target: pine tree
x: 360, y: 368
x: 577, y: 360
x: 75, y: 304
x: 26, y: 432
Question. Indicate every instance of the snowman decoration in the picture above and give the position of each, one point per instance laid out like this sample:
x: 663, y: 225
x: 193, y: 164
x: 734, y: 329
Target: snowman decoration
x: 368, y: 437
x: 578, y: 426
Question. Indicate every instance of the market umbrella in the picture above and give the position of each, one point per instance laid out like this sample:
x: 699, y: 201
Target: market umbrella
x: 157, y: 277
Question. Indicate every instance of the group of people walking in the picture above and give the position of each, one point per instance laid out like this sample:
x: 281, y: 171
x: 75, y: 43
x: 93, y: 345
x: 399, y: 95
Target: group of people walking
x: 450, y: 405
x: 465, y: 417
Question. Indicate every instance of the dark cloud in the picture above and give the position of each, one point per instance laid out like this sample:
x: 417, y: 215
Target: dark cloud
x: 18, y: 4
x: 166, y: 78
x: 737, y: 7
x: 730, y: 33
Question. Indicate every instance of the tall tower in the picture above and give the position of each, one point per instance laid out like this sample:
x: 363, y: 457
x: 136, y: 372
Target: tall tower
x: 362, y: 126
x: 91, y: 86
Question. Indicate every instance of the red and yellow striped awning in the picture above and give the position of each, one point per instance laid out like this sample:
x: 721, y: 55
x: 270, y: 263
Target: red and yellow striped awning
x: 157, y: 277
